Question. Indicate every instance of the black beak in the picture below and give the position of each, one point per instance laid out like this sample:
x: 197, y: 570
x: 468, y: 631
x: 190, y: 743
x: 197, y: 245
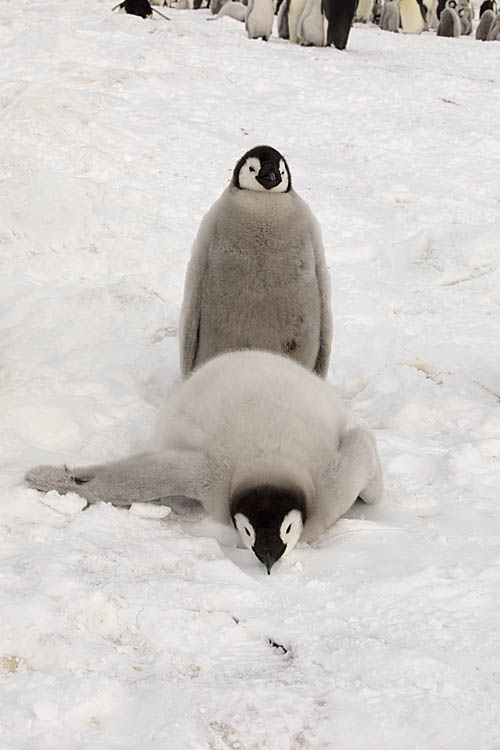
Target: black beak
x: 269, y: 175
x: 268, y: 561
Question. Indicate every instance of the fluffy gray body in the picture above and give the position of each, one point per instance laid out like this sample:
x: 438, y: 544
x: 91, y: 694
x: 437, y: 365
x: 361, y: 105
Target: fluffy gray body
x: 244, y: 419
x: 282, y: 20
x: 484, y: 25
x: 238, y: 11
x: 311, y: 29
x: 449, y: 23
x: 494, y: 32
x: 389, y: 19
x: 257, y: 279
x: 465, y: 16
x: 216, y: 5
x: 259, y: 19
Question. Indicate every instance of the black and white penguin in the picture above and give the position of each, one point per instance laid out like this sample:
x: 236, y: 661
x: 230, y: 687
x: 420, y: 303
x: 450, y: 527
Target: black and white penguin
x: 261, y: 443
x: 311, y: 29
x: 295, y: 10
x: 487, y: 5
x: 389, y: 19
x: 449, y: 22
x: 257, y: 277
x: 339, y: 15
x: 412, y: 16
x: 259, y: 19
x: 140, y: 8
x: 484, y: 25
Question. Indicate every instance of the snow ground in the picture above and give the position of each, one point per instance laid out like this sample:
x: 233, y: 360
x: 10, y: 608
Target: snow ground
x: 119, y: 630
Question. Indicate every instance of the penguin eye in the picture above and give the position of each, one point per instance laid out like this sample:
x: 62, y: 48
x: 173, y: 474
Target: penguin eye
x: 251, y: 169
x: 288, y: 529
x: 247, y: 531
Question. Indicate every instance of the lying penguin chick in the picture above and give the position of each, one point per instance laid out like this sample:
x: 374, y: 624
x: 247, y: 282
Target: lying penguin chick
x: 235, y: 10
x: 449, y: 23
x: 389, y: 19
x: 494, y: 31
x: 484, y: 25
x: 258, y: 440
x: 257, y: 277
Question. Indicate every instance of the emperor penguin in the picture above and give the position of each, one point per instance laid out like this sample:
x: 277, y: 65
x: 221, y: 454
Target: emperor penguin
x: 449, y: 22
x: 259, y: 441
x: 389, y: 19
x: 257, y: 276
x: 494, y: 32
x: 259, y: 19
x: 311, y: 29
x: 484, y: 25
x: 282, y: 20
x: 412, y: 18
x: 339, y: 15
x: 364, y: 11
x: 295, y: 10
x: 235, y: 10
x: 140, y: 8
x: 432, y: 19
x: 487, y: 5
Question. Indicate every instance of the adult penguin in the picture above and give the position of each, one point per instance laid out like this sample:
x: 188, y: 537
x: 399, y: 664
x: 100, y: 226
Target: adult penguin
x: 257, y: 277
x: 340, y: 15
x: 258, y: 440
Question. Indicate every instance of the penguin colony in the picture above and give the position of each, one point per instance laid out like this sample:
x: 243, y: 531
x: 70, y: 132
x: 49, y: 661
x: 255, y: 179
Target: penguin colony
x: 321, y: 23
x: 258, y: 437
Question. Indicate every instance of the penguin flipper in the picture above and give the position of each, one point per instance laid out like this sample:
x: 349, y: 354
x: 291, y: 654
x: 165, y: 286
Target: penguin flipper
x: 189, y: 326
x: 139, y: 478
x: 326, y: 322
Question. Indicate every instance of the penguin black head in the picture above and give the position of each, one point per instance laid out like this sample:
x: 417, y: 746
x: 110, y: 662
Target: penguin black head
x: 269, y: 519
x: 264, y: 169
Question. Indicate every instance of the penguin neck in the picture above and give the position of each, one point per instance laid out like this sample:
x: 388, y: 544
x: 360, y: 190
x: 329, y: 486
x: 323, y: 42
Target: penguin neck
x: 276, y: 471
x: 252, y: 201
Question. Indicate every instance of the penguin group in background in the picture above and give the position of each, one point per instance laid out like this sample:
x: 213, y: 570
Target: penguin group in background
x: 257, y: 276
x: 449, y: 22
x: 259, y: 441
x: 311, y: 29
x: 235, y: 10
x: 259, y: 19
x: 389, y: 19
x: 339, y: 15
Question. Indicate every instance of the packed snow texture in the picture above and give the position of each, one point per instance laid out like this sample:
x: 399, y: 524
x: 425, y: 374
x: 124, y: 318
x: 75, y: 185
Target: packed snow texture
x: 153, y: 629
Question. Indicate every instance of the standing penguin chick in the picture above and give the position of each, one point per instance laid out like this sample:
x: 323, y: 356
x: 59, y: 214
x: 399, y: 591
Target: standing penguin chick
x: 484, y: 25
x: 257, y: 277
x: 494, y: 32
x: 389, y: 19
x: 311, y: 27
x: 339, y: 15
x: 449, y: 23
x: 258, y: 441
x: 376, y: 12
x: 465, y: 16
x: 259, y: 19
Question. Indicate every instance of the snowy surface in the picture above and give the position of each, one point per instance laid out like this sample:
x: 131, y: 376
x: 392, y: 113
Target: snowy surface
x: 152, y: 630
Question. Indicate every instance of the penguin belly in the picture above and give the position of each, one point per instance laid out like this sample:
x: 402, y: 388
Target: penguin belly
x: 295, y: 10
x: 259, y: 20
x: 411, y: 17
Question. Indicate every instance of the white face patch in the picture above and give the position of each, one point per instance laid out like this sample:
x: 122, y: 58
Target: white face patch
x: 246, y: 530
x: 291, y: 529
x: 249, y: 171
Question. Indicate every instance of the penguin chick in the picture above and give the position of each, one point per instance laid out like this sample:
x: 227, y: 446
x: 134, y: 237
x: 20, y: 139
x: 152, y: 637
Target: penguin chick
x: 376, y: 12
x: 494, y: 31
x: 311, y: 26
x: 389, y: 19
x: 258, y: 440
x: 449, y: 23
x: 259, y: 19
x: 465, y: 17
x: 257, y: 277
x: 484, y: 25
x: 235, y: 10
